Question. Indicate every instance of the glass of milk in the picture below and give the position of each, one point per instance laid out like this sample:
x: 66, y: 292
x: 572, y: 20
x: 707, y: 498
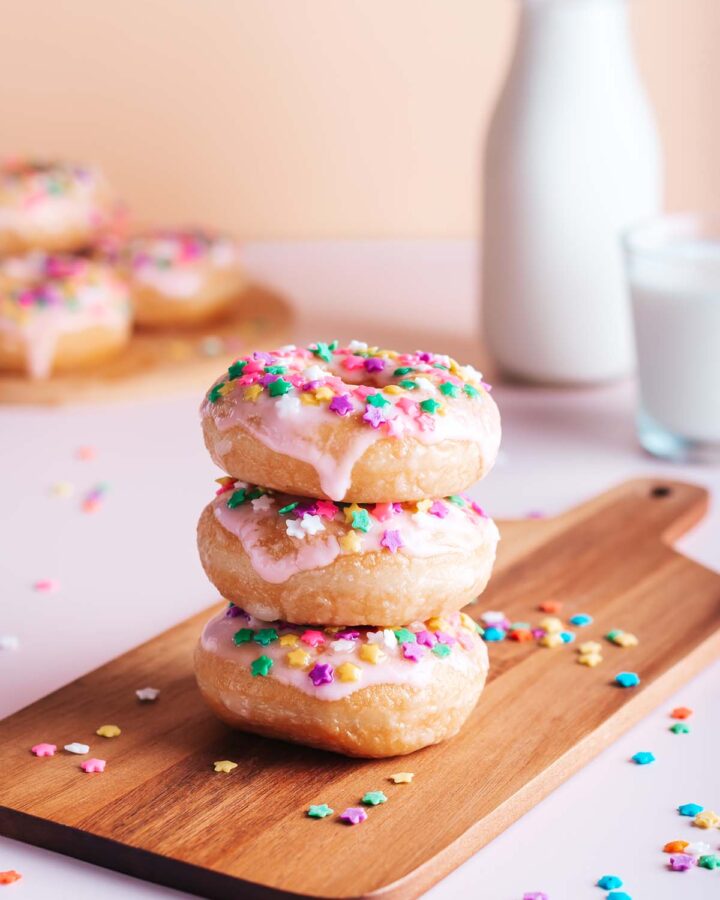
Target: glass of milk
x: 673, y: 268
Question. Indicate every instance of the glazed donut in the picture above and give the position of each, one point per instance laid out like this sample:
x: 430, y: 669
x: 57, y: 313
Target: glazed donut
x: 180, y: 277
x: 353, y: 423
x: 362, y: 692
x: 53, y: 206
x: 317, y: 561
x: 59, y: 313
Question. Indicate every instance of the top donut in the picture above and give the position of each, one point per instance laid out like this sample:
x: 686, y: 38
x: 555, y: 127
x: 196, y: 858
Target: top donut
x: 353, y: 423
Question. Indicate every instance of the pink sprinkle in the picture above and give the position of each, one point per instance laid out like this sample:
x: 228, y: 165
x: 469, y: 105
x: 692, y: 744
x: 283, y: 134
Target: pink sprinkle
x: 444, y: 638
x: 43, y: 749
x: 326, y: 509
x: 353, y: 815
x: 413, y: 652
x: 426, y: 638
x: 535, y: 895
x: 408, y: 406
x: 479, y: 510
x: 353, y: 362
x: 426, y: 422
x: 47, y: 585
x: 93, y: 765
x: 438, y: 509
x: 383, y: 511
x: 312, y: 638
x: 535, y: 514
x: 85, y: 453
x: 392, y: 540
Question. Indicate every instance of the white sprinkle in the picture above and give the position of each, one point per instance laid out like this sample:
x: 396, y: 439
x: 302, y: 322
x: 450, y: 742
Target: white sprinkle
x: 357, y: 345
x: 294, y: 529
x: 343, y: 645
x: 312, y: 524
x: 262, y: 504
x: 470, y: 373
x: 288, y: 348
x: 385, y: 638
x: 313, y: 373
x: 698, y: 848
x: 9, y: 642
x: 76, y: 747
x: 492, y: 617
x: 425, y: 384
x: 147, y: 695
x: 287, y: 406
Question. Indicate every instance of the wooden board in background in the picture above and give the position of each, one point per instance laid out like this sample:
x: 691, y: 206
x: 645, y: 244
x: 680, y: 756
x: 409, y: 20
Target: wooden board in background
x: 161, y: 813
x: 164, y: 361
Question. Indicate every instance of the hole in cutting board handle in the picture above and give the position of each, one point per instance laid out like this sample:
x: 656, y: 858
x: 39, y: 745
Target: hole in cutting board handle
x: 660, y: 490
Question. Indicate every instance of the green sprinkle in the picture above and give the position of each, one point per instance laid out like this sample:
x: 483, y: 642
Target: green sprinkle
x: 440, y: 366
x: 333, y: 346
x: 266, y: 636
x: 405, y: 636
x: 361, y: 520
x: 289, y: 508
x: 407, y: 384
x: 709, y: 861
x: 456, y: 499
x: 319, y: 811
x: 441, y: 650
x: 230, y: 604
x: 279, y: 387
x: 216, y: 392
x: 324, y: 351
x: 612, y: 635
x: 377, y: 400
x: 255, y: 493
x: 430, y: 405
x: 449, y: 389
x: 374, y: 798
x: 261, y: 665
x: 244, y: 636
x: 237, y: 498
x: 471, y: 391
x: 276, y: 370
x: 680, y: 728
x: 236, y: 369
x: 403, y: 370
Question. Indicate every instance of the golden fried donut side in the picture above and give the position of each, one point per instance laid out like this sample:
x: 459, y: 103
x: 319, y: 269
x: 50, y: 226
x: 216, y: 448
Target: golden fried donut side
x: 220, y: 290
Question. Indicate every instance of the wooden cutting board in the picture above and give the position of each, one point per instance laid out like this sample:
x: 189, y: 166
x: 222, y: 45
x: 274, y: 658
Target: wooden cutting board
x: 164, y: 361
x: 161, y: 813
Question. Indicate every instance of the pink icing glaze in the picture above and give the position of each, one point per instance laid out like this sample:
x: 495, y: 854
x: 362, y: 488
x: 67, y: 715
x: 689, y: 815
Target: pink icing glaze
x: 423, y: 535
x: 217, y: 638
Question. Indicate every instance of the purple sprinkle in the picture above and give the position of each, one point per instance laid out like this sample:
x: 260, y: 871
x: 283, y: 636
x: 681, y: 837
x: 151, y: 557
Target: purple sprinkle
x: 347, y: 635
x: 353, y: 815
x: 426, y: 638
x: 374, y: 364
x: 535, y: 895
x: 392, y: 540
x: 341, y: 404
x: 397, y: 508
x: 232, y: 612
x: 263, y: 356
x: 438, y: 509
x: 425, y: 357
x: 321, y: 673
x: 488, y: 387
x: 305, y: 509
x: 374, y: 416
x: 537, y: 633
x: 681, y: 862
x: 311, y: 385
x: 413, y: 652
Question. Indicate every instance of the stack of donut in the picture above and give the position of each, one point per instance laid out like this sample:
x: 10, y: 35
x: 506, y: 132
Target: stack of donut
x: 72, y: 283
x: 344, y: 543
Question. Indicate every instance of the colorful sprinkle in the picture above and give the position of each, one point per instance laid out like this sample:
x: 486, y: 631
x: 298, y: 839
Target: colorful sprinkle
x: 261, y: 666
x: 43, y: 749
x: 147, y: 695
x: 681, y: 712
x: 581, y: 619
x: 690, y: 809
x: 643, y: 758
x: 348, y: 672
x: 77, y: 747
x: 392, y: 540
x: 321, y: 673
x: 707, y: 819
x: 609, y: 882
x: 680, y: 728
x: 493, y: 634
x: 681, y: 862
x: 319, y: 811
x: 93, y: 765
x: 224, y: 765
x: 627, y: 679
x: 675, y: 847
x: 9, y: 876
x: 353, y: 815
x: 47, y: 585
x: 108, y: 731
x: 374, y: 798
x: 402, y: 777
x: 709, y: 861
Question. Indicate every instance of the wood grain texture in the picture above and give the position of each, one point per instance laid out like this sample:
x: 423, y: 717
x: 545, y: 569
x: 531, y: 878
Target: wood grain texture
x: 160, y: 812
x: 163, y: 362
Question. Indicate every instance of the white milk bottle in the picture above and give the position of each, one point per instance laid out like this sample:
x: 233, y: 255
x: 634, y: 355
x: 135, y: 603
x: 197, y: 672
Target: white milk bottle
x: 572, y: 159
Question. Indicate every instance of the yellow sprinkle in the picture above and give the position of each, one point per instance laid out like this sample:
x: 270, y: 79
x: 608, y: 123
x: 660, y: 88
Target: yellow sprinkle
x: 552, y: 639
x: 63, y: 489
x: 590, y: 647
x: 298, y: 659
x: 349, y: 510
x: 625, y: 639
x: 467, y: 622
x: 252, y: 393
x: 309, y: 398
x: 394, y: 389
x: 228, y: 387
x: 423, y: 505
x: 371, y: 653
x: 437, y: 623
x: 350, y: 542
x: 348, y: 672
x: 707, y: 819
x: 324, y: 393
x: 390, y: 354
x: 108, y: 731
x: 551, y: 624
x: 590, y: 659
x: 402, y: 777
x: 441, y: 410
x: 224, y: 765
x: 289, y: 640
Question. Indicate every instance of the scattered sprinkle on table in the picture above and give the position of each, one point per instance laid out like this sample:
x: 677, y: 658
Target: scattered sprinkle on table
x: 10, y: 876
x: 374, y: 798
x: 643, y: 757
x: 147, y: 695
x: 618, y: 895
x: 77, y: 747
x: 108, y: 731
x: 581, y: 619
x: 43, y: 749
x: 609, y: 882
x: 62, y: 489
x: 680, y: 728
x: 550, y: 606
x: 707, y: 819
x: 681, y: 712
x: 535, y: 895
x: 681, y: 862
x: 92, y: 501
x: 46, y: 585
x: 93, y: 765
x: 690, y: 809
x: 85, y: 453
x: 675, y: 847
x: 402, y: 777
x: 9, y: 642
x: 319, y: 811
x: 224, y: 765
x: 353, y: 815
x: 494, y: 634
x: 709, y: 861
x: 627, y: 679
x: 697, y: 848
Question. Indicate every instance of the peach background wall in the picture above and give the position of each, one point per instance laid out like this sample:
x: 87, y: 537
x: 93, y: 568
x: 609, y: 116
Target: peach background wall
x: 306, y: 118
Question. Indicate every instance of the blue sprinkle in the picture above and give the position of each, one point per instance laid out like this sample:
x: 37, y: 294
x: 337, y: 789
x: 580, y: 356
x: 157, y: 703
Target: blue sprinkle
x: 609, y: 882
x: 618, y: 895
x: 690, y: 809
x: 581, y: 619
x: 628, y: 679
x: 494, y: 634
x: 643, y: 758
x: 567, y: 636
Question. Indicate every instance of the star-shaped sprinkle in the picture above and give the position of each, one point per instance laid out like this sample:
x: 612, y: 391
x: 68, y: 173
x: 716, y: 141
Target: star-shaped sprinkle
x: 348, y: 672
x: 298, y: 658
x: 326, y: 508
x: 321, y: 673
x: 697, y: 848
x: 386, y: 637
x: 236, y: 369
x: 93, y: 765
x: 690, y: 809
x: 312, y: 524
x: 243, y: 636
x: 261, y: 666
x: 675, y: 847
x: 681, y: 862
x: 262, y: 503
x: 323, y: 351
x: 392, y: 540
x: 149, y: 694
x: 343, y: 645
x: 449, y: 389
x: 377, y: 400
x: 439, y: 509
x: 77, y: 747
x: 681, y: 712
x: 471, y: 391
x: 374, y: 364
x: 319, y: 811
x: 413, y: 652
x: 402, y: 777
x: 709, y: 861
x: 627, y: 679
x: 312, y: 637
x: 430, y: 405
x: 43, y: 749
x: 288, y: 406
x: 279, y: 387
x: 361, y: 520
x: 371, y: 653
x: 108, y: 731
x: 341, y: 404
x: 265, y: 636
x: 353, y: 815
x: 350, y: 542
x: 441, y: 650
x: 405, y: 636
x: 295, y: 529
x: 225, y: 765
x: 216, y: 392
x: 289, y: 640
x: 383, y: 511
x: 374, y: 416
x: 707, y: 819
x: 680, y: 728
x: 374, y: 798
x: 643, y: 758
x: 10, y: 876
x: 426, y: 638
